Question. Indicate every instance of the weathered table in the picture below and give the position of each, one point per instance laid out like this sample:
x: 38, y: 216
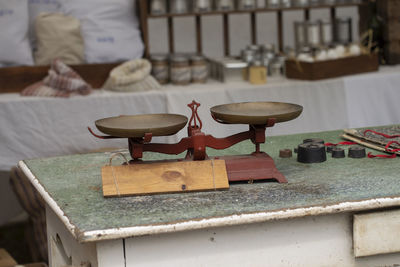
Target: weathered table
x: 307, y: 222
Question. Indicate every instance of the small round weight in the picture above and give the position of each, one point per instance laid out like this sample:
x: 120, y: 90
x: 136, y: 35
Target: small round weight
x: 285, y: 153
x: 311, y: 153
x: 357, y: 152
x: 338, y: 152
x: 313, y: 140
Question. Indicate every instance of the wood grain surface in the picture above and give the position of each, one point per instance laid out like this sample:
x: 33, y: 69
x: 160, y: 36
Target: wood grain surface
x: 171, y: 177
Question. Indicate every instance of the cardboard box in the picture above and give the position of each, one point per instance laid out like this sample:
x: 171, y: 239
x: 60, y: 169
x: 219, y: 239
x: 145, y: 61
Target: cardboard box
x: 5, y: 259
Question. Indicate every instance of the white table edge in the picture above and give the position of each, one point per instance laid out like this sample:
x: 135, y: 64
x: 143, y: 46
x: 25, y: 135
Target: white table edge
x: 237, y: 219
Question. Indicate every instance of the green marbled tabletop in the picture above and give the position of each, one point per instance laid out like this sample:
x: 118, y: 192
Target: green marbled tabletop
x: 74, y: 182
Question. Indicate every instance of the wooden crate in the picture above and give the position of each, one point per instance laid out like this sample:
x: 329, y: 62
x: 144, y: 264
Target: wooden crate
x: 331, y: 68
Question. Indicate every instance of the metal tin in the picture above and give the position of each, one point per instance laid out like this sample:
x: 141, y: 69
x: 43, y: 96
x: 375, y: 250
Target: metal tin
x: 202, y: 5
x: 199, y: 69
x: 246, y: 4
x: 178, y: 6
x: 228, y: 69
x: 158, y: 7
x: 225, y: 5
x: 343, y: 30
x: 180, y: 70
x: 160, y: 68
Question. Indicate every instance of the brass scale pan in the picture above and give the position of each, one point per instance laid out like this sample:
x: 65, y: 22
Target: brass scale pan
x: 254, y: 113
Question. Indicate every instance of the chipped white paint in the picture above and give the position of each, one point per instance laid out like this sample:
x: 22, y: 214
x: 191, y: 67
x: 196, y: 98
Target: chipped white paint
x: 47, y: 198
x: 376, y: 233
x: 116, y: 233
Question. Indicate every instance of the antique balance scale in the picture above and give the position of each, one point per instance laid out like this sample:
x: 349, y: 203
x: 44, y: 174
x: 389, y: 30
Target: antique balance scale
x: 139, y: 129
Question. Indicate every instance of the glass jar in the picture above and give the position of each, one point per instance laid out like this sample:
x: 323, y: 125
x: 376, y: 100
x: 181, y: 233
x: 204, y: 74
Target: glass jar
x: 160, y: 67
x: 158, y: 7
x: 285, y: 3
x: 178, y: 6
x: 343, y: 27
x: 246, y: 4
x: 273, y: 3
x: 202, y: 6
x: 326, y: 32
x: 199, y: 69
x: 225, y: 5
x: 180, y: 70
x: 261, y: 3
x: 313, y: 34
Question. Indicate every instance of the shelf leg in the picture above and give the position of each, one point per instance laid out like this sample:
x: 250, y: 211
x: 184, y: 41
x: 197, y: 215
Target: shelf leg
x: 171, y: 35
x: 280, y: 30
x: 199, y: 35
x: 226, y: 34
x: 143, y: 13
x: 253, y: 17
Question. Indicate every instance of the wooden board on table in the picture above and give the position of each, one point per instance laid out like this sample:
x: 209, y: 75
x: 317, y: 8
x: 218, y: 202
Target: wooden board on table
x: 168, y: 177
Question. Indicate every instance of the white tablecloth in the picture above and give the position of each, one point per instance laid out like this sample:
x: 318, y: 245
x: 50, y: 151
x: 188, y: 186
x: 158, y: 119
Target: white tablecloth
x: 34, y: 127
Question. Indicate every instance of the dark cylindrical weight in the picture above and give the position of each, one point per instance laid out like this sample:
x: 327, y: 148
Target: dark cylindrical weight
x: 313, y: 140
x: 338, y: 152
x: 357, y: 152
x: 311, y: 153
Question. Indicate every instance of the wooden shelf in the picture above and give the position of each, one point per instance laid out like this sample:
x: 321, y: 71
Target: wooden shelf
x: 145, y: 16
x: 257, y: 10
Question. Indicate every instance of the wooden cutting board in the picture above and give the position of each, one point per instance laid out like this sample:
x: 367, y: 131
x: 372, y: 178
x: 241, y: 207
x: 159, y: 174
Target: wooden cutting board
x: 168, y: 177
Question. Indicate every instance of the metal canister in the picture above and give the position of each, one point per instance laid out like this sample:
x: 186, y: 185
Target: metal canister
x: 199, y: 69
x: 158, y: 7
x: 180, y: 70
x: 246, y: 4
x: 225, y: 5
x: 248, y: 55
x: 285, y: 3
x: 343, y: 30
x: 178, y: 6
x: 273, y: 3
x: 160, y: 68
x: 326, y: 32
x: 202, y: 5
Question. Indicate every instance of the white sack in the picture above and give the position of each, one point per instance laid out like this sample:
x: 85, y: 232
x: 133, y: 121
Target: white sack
x: 110, y: 29
x: 14, y: 44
